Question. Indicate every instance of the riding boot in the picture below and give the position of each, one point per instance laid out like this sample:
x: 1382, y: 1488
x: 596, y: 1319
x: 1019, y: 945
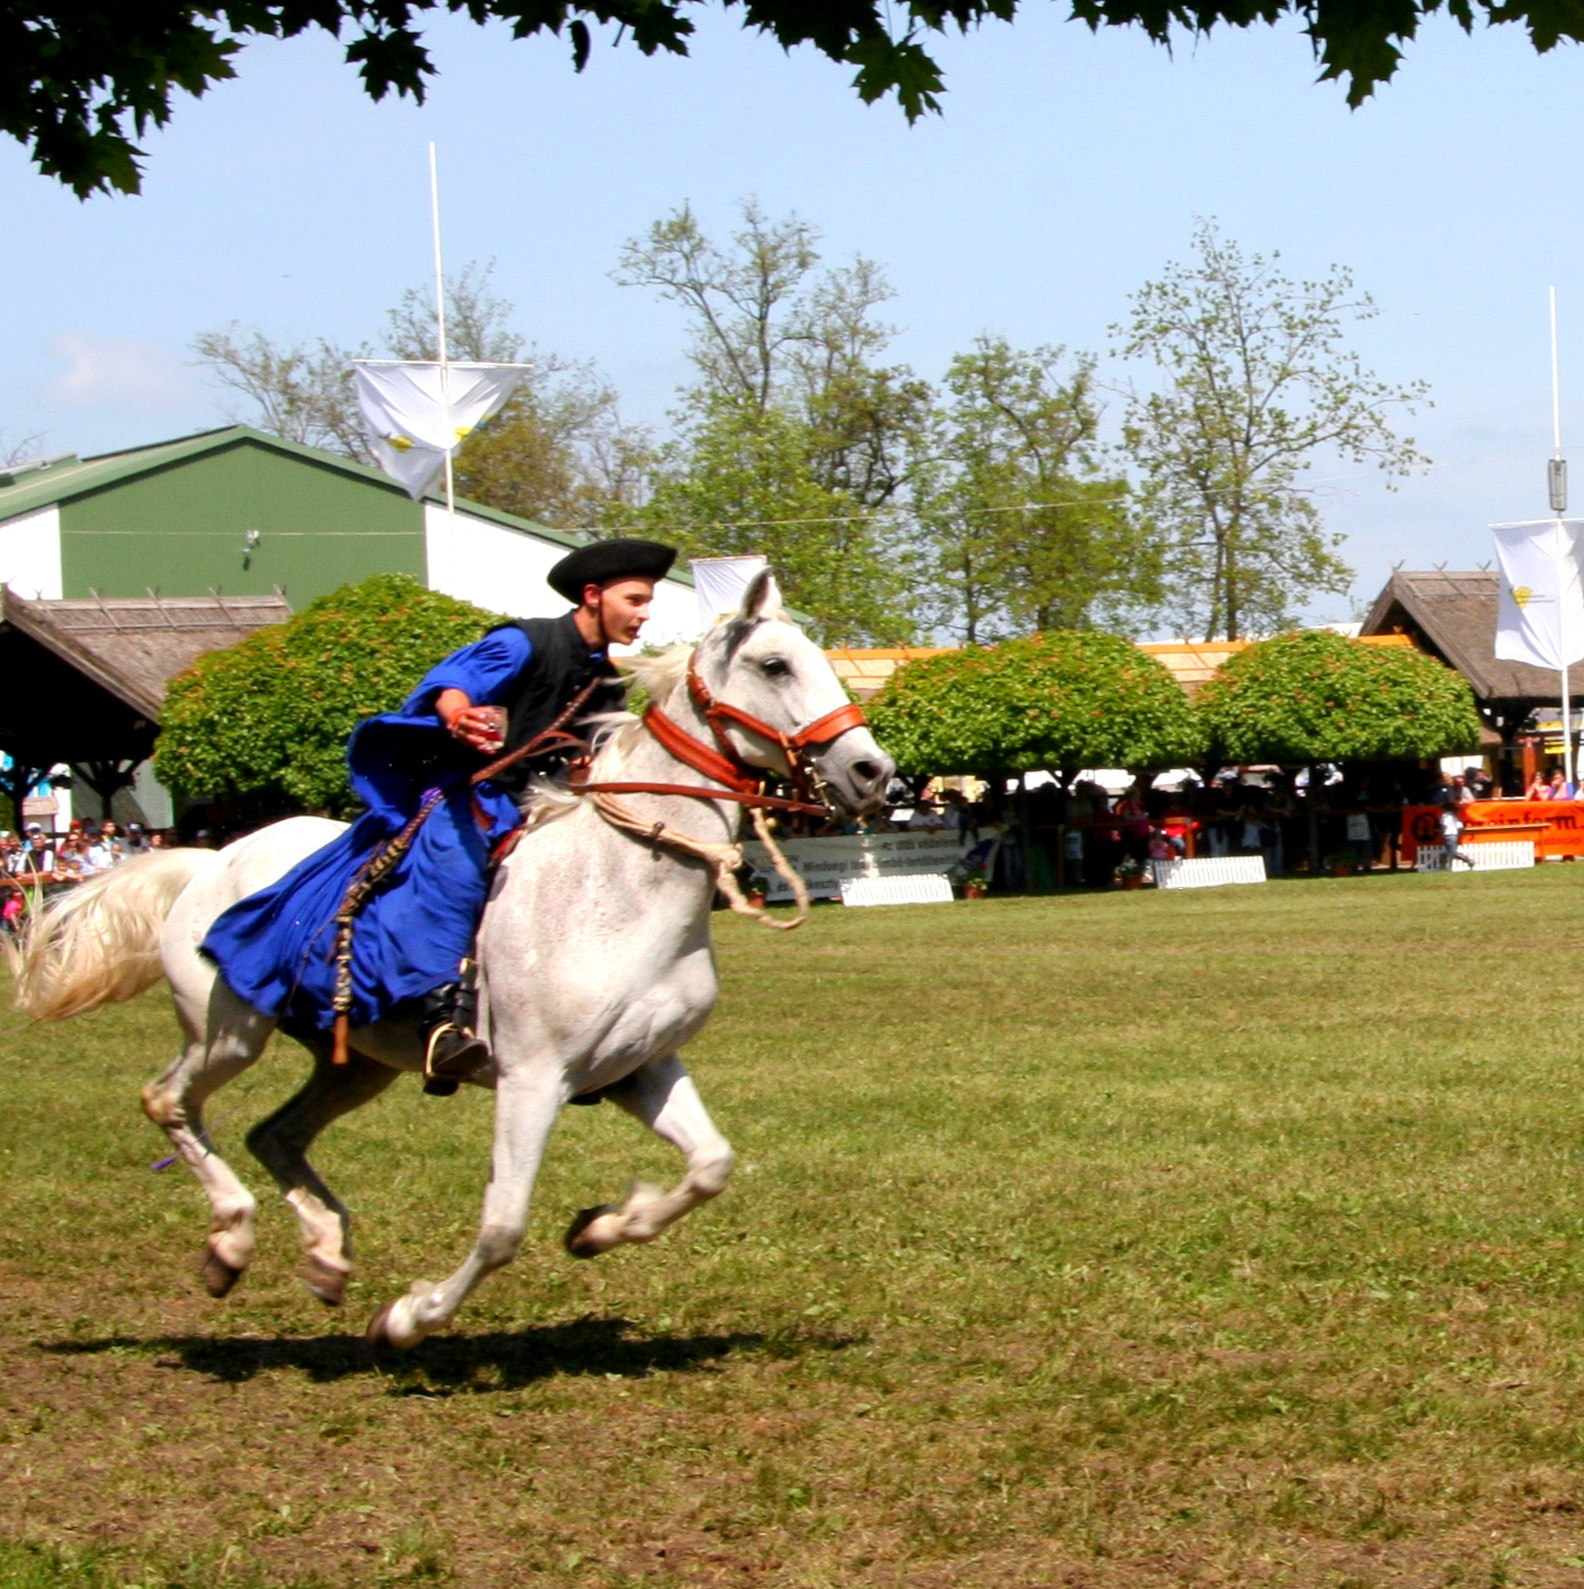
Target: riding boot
x: 453, y: 1051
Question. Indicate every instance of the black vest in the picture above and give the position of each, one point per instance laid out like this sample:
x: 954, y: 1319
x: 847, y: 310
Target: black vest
x: 560, y: 667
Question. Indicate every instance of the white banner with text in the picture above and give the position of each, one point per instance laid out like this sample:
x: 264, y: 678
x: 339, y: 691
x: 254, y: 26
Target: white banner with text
x: 825, y: 862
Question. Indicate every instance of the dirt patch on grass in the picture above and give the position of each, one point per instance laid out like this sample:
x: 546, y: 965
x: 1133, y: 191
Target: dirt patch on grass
x: 591, y: 1452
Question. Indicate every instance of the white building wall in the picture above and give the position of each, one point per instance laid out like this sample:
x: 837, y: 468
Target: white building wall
x: 30, y: 555
x: 504, y: 570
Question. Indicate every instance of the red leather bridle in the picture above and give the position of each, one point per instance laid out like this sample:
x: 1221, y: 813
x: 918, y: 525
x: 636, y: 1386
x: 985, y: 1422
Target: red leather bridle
x: 741, y: 783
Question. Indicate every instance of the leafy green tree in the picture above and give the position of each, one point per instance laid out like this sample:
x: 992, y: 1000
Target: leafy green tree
x: 269, y: 718
x: 1314, y: 697
x: 557, y: 452
x: 793, y: 439
x: 771, y: 330
x: 1258, y: 385
x: 1021, y: 526
x: 1060, y: 702
x: 737, y: 481
x: 79, y: 81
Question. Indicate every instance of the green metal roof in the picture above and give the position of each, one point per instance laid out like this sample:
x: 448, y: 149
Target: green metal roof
x: 62, y: 481
x: 69, y: 478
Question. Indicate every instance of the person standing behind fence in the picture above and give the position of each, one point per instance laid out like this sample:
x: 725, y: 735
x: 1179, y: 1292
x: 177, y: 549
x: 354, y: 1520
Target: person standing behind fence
x: 40, y: 862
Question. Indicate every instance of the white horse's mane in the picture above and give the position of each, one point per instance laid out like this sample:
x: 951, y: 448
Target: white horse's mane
x: 615, y: 733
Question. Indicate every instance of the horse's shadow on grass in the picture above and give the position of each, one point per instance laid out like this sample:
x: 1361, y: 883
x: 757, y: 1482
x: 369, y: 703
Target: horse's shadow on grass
x: 461, y: 1364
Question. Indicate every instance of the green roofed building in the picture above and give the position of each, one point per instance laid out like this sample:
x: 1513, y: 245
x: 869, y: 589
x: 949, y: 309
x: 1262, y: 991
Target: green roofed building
x: 236, y: 512
x: 235, y: 515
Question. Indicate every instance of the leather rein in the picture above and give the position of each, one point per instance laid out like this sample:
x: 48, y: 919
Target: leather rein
x: 738, y: 781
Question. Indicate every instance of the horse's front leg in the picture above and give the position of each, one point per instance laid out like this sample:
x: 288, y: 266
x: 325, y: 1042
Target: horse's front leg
x: 527, y: 1099
x: 663, y: 1096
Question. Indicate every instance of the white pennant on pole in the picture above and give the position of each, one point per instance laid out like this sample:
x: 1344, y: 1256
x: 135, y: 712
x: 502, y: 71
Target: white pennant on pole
x: 1540, y: 599
x: 1540, y: 608
x: 418, y: 413
x: 721, y: 583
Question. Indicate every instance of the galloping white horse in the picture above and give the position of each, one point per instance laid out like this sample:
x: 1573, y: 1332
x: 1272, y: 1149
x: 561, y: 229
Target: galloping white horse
x: 595, y: 960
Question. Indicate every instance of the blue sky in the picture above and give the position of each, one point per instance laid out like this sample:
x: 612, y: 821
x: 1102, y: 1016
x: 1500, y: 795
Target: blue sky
x: 1066, y: 171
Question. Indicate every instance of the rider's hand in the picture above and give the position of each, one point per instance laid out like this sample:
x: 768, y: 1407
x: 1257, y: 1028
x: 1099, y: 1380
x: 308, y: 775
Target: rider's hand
x: 483, y: 728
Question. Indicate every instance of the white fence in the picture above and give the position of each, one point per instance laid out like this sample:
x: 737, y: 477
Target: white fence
x: 1209, y: 871
x: 1495, y: 855
x: 926, y: 888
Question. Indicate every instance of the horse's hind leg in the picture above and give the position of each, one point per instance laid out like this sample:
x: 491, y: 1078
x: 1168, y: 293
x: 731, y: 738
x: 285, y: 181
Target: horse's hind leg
x: 223, y: 1037
x: 662, y: 1095
x: 280, y: 1143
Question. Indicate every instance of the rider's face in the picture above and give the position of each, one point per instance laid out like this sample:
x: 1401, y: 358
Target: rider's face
x: 623, y: 609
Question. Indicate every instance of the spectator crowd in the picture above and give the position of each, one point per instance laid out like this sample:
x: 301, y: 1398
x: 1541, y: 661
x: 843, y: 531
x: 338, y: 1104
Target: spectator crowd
x: 1087, y: 836
x: 34, y: 860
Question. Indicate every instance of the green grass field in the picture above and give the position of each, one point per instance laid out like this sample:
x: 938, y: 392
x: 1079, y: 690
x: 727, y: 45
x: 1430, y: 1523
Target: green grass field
x: 1222, y: 1238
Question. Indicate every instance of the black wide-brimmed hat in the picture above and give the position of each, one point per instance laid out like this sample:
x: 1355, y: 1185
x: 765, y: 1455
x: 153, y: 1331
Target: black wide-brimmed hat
x: 602, y: 561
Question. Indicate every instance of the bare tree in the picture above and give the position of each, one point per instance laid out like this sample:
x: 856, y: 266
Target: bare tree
x: 24, y: 449
x: 558, y: 452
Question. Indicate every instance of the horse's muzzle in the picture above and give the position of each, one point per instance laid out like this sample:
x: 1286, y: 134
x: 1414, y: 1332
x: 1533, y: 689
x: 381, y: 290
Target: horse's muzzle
x: 856, y: 774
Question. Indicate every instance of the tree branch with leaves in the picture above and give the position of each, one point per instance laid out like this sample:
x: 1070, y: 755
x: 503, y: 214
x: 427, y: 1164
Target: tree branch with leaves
x: 1257, y: 384
x: 80, y: 81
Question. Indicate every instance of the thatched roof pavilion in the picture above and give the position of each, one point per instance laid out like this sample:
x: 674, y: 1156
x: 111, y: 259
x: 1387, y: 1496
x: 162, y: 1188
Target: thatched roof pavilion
x: 1453, y: 617
x: 84, y: 680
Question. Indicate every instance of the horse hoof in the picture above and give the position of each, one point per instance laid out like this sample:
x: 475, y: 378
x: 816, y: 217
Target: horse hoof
x: 326, y: 1282
x: 217, y: 1275
x: 383, y: 1337
x: 378, y: 1332
x: 582, y: 1240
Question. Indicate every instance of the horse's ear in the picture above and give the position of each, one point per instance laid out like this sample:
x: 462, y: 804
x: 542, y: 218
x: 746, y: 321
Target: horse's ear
x: 762, y: 599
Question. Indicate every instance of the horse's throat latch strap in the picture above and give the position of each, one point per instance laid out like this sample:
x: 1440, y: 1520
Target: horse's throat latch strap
x: 715, y: 765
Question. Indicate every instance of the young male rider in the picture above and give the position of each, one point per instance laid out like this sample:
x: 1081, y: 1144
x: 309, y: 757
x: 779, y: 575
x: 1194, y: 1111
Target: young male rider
x: 413, y: 938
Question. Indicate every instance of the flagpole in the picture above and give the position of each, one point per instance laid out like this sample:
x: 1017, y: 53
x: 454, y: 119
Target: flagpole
x: 445, y: 371
x: 1556, y: 480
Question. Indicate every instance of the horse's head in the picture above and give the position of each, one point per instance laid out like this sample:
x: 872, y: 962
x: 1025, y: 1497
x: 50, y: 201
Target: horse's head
x: 760, y: 666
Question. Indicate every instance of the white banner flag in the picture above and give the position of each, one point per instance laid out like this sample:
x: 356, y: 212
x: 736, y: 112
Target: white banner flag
x: 1540, y: 609
x: 412, y: 426
x: 721, y: 583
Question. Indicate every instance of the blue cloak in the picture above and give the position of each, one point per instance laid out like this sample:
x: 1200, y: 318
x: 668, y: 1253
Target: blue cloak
x: 276, y: 948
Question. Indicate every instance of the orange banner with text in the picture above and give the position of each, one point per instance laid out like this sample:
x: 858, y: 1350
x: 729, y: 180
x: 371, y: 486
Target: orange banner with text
x: 1556, y: 826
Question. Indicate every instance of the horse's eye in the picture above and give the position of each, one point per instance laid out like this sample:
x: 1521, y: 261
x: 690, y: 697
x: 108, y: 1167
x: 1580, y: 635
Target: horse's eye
x: 774, y: 667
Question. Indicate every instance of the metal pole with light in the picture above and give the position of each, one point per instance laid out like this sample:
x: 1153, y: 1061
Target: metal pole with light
x: 1556, y: 483
x: 445, y: 363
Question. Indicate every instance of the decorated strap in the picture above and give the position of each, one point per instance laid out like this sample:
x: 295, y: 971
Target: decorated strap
x: 751, y: 798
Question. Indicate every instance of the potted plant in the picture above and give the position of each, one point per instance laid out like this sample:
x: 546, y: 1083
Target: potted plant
x: 974, y: 885
x: 1340, y: 863
x: 756, y: 889
x: 1131, y: 873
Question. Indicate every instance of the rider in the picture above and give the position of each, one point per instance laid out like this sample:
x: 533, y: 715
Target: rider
x: 413, y: 938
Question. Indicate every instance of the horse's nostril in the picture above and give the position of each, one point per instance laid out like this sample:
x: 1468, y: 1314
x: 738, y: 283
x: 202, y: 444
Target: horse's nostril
x: 867, y: 773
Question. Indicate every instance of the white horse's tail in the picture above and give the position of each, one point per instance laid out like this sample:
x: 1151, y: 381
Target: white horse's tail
x: 100, y: 943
